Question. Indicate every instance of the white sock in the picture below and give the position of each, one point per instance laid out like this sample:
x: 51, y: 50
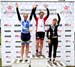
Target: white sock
x: 21, y: 58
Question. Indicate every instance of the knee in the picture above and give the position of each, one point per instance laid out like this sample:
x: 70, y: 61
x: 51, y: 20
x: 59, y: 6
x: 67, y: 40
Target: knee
x: 41, y: 41
x: 37, y: 41
x: 27, y: 46
x: 22, y: 46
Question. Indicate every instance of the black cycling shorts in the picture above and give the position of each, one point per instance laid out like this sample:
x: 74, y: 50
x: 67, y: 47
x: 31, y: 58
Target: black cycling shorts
x: 40, y: 35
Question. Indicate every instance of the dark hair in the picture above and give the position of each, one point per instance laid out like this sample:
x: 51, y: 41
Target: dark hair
x: 41, y: 12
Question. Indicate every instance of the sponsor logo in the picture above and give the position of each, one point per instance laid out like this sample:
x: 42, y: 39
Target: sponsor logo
x: 7, y: 41
x: 59, y: 35
x: 59, y: 30
x: 7, y: 52
x: 17, y: 46
x: 60, y: 41
x: 8, y: 57
x: 67, y: 56
x: 7, y: 35
x: 17, y: 41
x: 60, y: 25
x: 17, y: 36
x: 68, y: 61
x: 8, y: 61
x: 67, y: 24
x: 8, y: 46
x: 17, y: 51
x: 58, y: 56
x: 17, y: 30
x: 68, y: 51
x: 67, y: 30
x: 66, y: 10
x: 58, y: 51
x: 7, y: 30
x: 17, y: 56
x: 67, y: 35
x: 7, y: 25
x: 67, y: 46
x: 9, y: 11
x: 17, y: 25
x: 67, y: 40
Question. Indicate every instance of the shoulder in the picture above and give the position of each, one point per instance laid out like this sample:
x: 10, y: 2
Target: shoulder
x: 22, y: 21
x: 49, y: 26
x: 57, y: 25
x: 28, y: 21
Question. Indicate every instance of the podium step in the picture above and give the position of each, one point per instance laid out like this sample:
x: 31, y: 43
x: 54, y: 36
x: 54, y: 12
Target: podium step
x: 56, y: 64
x: 17, y: 63
x: 38, y: 62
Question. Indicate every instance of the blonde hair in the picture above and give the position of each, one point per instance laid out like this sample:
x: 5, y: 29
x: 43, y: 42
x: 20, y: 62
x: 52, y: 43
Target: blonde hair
x: 55, y: 19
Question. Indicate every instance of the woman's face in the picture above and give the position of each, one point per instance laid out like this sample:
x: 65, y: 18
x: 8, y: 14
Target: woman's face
x: 54, y: 21
x: 41, y: 14
x: 25, y: 16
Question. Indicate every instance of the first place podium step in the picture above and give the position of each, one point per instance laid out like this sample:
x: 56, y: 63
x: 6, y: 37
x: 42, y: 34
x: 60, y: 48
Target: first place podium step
x: 38, y: 62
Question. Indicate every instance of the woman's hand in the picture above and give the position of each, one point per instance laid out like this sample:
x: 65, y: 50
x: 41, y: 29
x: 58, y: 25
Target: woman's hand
x: 34, y: 6
x: 16, y: 5
x: 45, y: 5
x: 49, y: 41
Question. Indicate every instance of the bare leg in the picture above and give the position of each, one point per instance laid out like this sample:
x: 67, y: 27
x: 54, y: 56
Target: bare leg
x: 22, y: 51
x: 27, y: 50
x: 37, y: 46
x: 41, y: 46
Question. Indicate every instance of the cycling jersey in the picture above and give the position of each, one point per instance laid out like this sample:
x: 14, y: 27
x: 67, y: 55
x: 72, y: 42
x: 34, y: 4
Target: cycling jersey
x: 40, y: 23
x: 25, y: 26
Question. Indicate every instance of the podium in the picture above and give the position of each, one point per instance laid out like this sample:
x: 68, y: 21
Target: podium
x: 20, y: 64
x: 57, y: 64
x: 38, y: 62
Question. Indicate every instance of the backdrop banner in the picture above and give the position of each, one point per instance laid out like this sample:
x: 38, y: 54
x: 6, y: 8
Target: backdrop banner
x: 10, y: 30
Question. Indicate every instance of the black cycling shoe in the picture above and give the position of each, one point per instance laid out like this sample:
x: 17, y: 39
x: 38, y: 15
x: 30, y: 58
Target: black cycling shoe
x: 49, y: 60
x: 20, y: 60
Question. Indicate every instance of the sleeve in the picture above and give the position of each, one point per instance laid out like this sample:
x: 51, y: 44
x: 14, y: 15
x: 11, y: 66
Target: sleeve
x: 18, y: 14
x: 48, y: 33
x: 30, y: 18
x: 45, y: 18
x: 58, y: 19
x: 33, y: 11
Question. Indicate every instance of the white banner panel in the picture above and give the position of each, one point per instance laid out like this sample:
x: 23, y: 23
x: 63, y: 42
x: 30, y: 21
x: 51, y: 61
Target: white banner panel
x: 11, y: 30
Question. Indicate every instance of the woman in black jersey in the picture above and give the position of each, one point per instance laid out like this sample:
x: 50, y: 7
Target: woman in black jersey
x: 53, y: 37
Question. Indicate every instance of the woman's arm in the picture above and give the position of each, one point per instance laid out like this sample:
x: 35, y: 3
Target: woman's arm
x: 18, y: 14
x: 45, y: 18
x: 30, y: 18
x: 59, y: 19
x: 33, y: 11
x: 48, y: 34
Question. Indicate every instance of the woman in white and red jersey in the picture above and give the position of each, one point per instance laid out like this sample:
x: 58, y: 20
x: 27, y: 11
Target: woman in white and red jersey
x: 40, y: 29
